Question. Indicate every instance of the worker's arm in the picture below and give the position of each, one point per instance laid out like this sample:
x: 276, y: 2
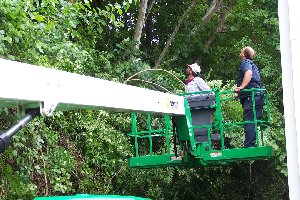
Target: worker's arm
x: 246, y: 80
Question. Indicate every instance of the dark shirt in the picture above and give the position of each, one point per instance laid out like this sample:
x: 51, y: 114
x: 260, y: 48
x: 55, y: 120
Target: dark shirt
x: 246, y: 65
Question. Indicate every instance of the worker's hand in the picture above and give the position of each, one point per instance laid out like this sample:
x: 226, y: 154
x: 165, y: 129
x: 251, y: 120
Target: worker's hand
x: 238, y: 89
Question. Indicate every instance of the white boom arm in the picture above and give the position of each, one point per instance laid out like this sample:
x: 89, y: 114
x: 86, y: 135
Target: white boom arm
x: 28, y: 86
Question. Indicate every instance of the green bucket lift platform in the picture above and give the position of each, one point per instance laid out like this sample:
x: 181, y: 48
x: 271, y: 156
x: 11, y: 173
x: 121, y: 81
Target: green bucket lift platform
x: 198, y: 137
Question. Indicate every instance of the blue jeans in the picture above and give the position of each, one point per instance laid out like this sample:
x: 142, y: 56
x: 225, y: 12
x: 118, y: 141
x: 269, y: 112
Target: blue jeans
x: 248, y: 115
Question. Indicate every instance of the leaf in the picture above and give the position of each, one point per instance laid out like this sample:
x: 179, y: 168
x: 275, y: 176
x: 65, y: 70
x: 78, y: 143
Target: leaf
x: 73, y: 23
x: 8, y: 39
x: 15, y: 152
x: 100, y: 29
x: 102, y: 22
x: 39, y: 18
x: 88, y: 5
x: 120, y: 11
x: 121, y: 23
x: 113, y: 17
x: 233, y: 28
x: 39, y: 46
x: 11, y: 57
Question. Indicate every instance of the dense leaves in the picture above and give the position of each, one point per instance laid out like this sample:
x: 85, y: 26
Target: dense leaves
x: 86, y: 151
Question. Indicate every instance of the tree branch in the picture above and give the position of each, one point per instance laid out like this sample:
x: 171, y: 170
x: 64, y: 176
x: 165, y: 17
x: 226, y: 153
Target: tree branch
x: 214, y: 6
x: 145, y: 70
x: 280, y: 88
x: 163, y: 53
x: 149, y: 8
x: 152, y: 83
x: 218, y: 29
x: 45, y: 174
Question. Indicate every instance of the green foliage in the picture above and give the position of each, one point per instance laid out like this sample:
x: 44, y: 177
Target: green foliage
x: 101, y: 149
x: 14, y: 184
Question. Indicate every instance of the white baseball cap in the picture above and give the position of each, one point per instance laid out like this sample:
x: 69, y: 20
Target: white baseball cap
x: 195, y: 67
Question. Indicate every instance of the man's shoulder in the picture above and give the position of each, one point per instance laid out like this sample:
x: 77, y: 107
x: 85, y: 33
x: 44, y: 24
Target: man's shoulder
x: 246, y: 64
x: 202, y: 83
x: 198, y: 78
x: 247, y: 61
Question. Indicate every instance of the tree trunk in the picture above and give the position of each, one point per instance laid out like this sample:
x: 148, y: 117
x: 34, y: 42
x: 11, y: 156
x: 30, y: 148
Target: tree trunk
x: 140, y: 22
x: 163, y: 53
x: 149, y: 30
x: 149, y: 25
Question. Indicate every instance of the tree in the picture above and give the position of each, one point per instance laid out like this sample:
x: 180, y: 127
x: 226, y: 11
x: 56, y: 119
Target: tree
x: 140, y: 22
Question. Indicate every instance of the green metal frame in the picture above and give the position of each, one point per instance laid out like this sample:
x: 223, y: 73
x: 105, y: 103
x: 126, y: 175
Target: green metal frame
x: 200, y: 153
x: 151, y: 160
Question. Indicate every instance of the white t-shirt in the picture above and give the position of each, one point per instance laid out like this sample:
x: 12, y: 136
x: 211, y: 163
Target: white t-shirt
x: 196, y: 85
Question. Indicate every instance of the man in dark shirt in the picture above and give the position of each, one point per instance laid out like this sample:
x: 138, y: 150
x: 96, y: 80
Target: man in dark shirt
x: 249, y: 77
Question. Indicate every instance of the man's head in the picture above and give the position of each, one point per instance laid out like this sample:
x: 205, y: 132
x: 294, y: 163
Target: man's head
x: 247, y: 53
x: 195, y: 68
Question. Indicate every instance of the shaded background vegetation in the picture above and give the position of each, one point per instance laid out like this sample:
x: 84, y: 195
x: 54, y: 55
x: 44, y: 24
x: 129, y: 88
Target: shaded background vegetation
x: 86, y: 151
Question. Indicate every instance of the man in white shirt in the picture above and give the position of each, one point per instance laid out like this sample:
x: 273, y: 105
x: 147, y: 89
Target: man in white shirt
x: 194, y: 82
